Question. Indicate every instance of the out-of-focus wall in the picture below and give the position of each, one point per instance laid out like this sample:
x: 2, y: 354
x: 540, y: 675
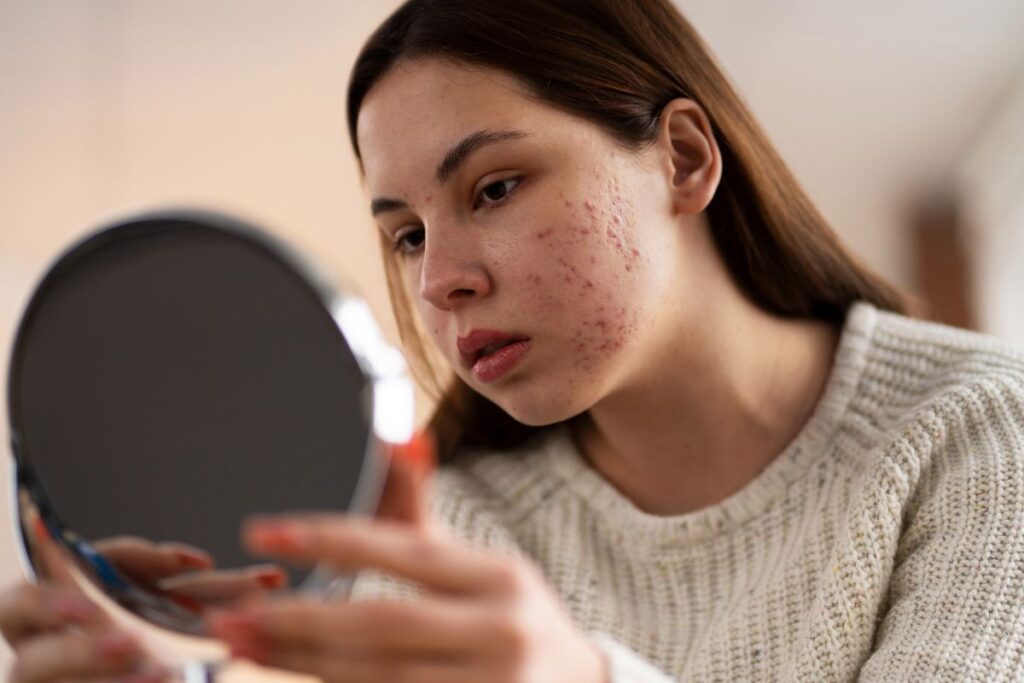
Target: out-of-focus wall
x: 991, y: 182
x: 110, y: 105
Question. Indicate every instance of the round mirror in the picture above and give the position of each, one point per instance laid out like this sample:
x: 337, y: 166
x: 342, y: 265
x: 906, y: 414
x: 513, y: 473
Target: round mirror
x: 176, y: 372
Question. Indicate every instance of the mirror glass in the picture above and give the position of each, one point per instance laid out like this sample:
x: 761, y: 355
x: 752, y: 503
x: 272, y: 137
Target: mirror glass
x: 176, y: 372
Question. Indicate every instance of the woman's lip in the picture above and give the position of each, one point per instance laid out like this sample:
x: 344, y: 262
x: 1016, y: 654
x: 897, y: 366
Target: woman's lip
x: 471, y: 345
x: 496, y: 365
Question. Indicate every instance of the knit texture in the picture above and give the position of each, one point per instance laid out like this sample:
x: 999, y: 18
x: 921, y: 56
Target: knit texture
x: 885, y: 543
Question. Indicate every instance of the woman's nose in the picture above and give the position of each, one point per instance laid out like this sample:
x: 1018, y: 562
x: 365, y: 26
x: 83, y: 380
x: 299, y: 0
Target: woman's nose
x: 450, y: 275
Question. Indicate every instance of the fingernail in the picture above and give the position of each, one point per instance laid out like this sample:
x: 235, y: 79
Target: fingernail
x: 419, y: 452
x: 272, y: 578
x: 280, y: 536
x: 118, y: 646
x: 192, y: 560
x: 191, y: 604
x: 74, y: 607
x: 42, y: 533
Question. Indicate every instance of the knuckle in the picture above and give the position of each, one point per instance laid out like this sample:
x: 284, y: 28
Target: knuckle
x: 513, y: 633
x: 515, y: 577
x: 426, y: 548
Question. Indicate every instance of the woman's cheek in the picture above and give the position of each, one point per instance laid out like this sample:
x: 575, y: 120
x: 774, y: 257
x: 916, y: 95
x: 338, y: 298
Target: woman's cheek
x: 591, y: 270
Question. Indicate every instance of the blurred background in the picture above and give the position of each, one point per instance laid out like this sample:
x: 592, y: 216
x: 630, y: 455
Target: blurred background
x: 904, y: 121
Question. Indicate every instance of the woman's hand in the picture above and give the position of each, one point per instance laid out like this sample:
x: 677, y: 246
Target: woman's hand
x: 58, y: 634
x: 483, y: 617
x: 187, y: 574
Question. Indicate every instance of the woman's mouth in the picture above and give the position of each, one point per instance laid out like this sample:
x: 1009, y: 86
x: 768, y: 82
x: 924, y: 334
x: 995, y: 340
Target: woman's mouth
x: 491, y: 354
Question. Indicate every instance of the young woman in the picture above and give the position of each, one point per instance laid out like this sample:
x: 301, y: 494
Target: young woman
x: 684, y: 434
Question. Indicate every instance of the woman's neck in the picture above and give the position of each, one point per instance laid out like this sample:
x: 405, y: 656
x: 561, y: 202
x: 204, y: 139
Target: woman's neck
x: 707, y: 415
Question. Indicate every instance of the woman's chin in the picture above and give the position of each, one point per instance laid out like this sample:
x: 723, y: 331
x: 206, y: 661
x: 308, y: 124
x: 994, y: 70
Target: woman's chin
x: 539, y: 411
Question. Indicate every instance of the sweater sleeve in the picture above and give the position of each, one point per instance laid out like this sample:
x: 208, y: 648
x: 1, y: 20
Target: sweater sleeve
x: 956, y: 595
x: 624, y: 665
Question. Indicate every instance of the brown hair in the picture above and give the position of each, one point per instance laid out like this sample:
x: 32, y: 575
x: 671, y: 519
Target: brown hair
x: 617, y: 63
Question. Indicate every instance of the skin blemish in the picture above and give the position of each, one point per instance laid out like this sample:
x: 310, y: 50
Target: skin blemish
x: 545, y: 233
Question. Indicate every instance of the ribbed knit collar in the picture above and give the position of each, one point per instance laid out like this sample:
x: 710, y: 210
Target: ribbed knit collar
x: 812, y: 442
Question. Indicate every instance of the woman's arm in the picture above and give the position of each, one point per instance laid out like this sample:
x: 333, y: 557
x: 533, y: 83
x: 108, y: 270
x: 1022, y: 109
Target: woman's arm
x: 956, y: 595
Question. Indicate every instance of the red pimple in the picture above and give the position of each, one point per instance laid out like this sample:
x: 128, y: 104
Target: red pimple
x: 589, y: 284
x: 636, y: 252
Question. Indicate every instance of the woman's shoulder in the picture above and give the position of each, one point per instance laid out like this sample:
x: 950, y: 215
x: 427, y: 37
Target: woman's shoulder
x: 913, y: 366
x: 933, y: 396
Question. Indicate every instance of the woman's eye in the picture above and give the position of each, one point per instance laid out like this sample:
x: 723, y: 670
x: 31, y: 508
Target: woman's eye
x: 496, y: 192
x: 409, y: 242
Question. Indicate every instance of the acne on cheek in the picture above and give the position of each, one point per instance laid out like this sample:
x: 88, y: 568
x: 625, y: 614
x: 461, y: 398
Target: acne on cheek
x: 606, y: 326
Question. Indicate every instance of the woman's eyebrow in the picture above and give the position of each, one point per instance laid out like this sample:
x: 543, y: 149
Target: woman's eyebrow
x: 458, y: 154
x: 455, y: 157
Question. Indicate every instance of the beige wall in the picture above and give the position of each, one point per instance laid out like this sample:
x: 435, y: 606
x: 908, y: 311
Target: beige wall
x: 107, y: 105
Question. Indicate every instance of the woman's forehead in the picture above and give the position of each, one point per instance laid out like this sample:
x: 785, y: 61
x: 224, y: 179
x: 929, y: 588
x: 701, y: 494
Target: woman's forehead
x: 421, y: 108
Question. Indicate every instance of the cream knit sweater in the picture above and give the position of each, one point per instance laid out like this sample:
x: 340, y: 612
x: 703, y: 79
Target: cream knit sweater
x: 885, y: 543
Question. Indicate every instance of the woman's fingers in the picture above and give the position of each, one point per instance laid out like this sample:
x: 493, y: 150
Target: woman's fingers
x: 27, y: 610
x: 74, y: 656
x: 427, y: 628
x: 226, y: 584
x: 355, y: 670
x: 145, y: 561
x: 50, y: 561
x: 355, y: 544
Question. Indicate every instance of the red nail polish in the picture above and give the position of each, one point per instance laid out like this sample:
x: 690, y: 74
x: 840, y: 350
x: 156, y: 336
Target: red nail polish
x: 275, y: 537
x: 42, y: 533
x: 190, y: 604
x: 419, y: 451
x: 272, y: 579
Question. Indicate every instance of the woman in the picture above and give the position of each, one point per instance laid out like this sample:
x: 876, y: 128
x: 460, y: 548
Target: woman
x: 685, y: 435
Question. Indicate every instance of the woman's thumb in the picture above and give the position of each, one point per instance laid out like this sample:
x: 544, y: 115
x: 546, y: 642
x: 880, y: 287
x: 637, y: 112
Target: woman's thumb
x: 407, y: 487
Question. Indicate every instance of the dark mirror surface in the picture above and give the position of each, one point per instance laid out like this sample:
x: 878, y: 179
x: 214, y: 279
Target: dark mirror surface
x: 172, y: 377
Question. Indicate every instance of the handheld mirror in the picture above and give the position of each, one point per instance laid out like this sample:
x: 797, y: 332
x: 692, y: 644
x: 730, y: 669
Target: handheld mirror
x: 174, y: 373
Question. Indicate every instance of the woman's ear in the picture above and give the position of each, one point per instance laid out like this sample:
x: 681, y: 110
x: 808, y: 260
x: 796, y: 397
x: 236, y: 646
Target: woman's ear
x: 694, y: 163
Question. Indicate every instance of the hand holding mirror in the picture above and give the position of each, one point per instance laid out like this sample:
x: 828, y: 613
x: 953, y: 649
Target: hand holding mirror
x: 174, y: 373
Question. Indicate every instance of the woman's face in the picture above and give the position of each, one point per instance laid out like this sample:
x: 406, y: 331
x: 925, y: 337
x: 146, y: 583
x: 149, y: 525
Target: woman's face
x: 541, y: 230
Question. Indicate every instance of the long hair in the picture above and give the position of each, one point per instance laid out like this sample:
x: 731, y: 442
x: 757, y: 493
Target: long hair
x: 617, y: 63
